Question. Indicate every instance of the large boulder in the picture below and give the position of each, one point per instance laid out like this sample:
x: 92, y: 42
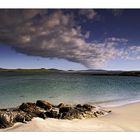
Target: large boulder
x: 44, y: 104
x: 6, y: 119
x: 22, y: 117
x: 71, y: 114
x: 48, y: 114
x: 65, y: 109
x: 30, y: 108
x: 52, y: 114
x: 78, y: 112
x: 42, y: 115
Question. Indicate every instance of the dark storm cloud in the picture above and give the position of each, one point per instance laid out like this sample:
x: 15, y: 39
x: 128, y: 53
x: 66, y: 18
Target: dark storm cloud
x: 55, y: 34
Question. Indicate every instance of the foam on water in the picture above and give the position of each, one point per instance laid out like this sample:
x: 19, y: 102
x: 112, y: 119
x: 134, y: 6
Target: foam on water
x: 117, y: 103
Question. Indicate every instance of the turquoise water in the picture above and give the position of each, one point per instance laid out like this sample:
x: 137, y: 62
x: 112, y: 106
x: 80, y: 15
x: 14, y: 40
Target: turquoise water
x: 68, y: 88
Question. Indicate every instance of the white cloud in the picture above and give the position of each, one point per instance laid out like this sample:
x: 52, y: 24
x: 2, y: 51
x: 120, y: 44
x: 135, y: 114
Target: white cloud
x: 132, y: 53
x: 87, y: 34
x: 56, y: 35
x: 114, y: 39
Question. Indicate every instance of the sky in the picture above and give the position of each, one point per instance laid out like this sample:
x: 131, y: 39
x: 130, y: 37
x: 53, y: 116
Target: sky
x: 70, y: 39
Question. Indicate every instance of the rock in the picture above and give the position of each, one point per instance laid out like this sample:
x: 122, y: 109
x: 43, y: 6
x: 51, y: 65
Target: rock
x: 48, y: 114
x: 4, y: 109
x: 30, y: 108
x: 109, y: 111
x: 42, y: 115
x: 22, y: 117
x: 79, y: 106
x: 6, y: 119
x: 88, y: 114
x: 60, y: 105
x: 87, y: 107
x: 52, y: 114
x: 100, y: 112
x: 19, y: 118
x: 65, y: 109
x: 95, y: 114
x: 71, y: 114
x: 28, y: 118
x: 44, y: 104
x: 78, y: 112
x: 68, y: 112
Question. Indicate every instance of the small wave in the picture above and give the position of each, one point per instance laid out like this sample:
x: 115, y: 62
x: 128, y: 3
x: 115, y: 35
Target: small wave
x: 118, y: 103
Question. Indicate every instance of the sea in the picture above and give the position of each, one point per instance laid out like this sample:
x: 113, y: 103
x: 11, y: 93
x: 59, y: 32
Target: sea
x: 106, y: 91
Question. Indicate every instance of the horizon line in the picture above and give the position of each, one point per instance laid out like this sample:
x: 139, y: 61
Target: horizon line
x: 71, y: 69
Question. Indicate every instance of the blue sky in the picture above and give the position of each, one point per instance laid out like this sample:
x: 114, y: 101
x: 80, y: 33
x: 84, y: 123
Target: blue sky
x: 70, y: 39
x: 9, y: 58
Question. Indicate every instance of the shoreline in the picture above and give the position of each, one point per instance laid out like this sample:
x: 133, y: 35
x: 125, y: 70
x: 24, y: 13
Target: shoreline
x: 103, y: 104
x: 122, y: 118
x: 119, y: 103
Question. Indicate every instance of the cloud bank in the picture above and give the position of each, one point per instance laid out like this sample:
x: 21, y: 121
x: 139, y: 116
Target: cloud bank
x: 55, y: 34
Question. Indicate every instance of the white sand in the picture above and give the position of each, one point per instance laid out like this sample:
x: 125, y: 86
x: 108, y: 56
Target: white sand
x: 124, y: 118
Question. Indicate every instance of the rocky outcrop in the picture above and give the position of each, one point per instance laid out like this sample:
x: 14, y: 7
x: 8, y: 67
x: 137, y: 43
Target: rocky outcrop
x: 80, y: 111
x: 31, y: 109
x: 8, y: 118
x: 52, y: 114
x: 43, y: 109
x: 70, y: 114
x: 22, y: 117
x: 49, y: 114
x: 65, y: 109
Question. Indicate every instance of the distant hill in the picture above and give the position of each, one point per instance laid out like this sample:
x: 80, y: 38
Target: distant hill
x: 100, y: 71
x: 55, y: 70
x: 30, y: 70
x: 106, y: 72
x: 91, y: 70
x: 23, y: 70
x: 81, y: 72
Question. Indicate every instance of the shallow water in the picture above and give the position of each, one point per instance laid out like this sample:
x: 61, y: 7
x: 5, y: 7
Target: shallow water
x: 16, y: 88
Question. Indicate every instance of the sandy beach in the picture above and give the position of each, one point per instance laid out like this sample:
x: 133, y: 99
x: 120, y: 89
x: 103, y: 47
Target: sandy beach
x: 123, y: 118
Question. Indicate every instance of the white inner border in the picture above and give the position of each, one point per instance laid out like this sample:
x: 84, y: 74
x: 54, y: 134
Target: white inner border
x: 70, y: 4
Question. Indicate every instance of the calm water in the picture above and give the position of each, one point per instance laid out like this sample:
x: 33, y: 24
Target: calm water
x: 68, y: 88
